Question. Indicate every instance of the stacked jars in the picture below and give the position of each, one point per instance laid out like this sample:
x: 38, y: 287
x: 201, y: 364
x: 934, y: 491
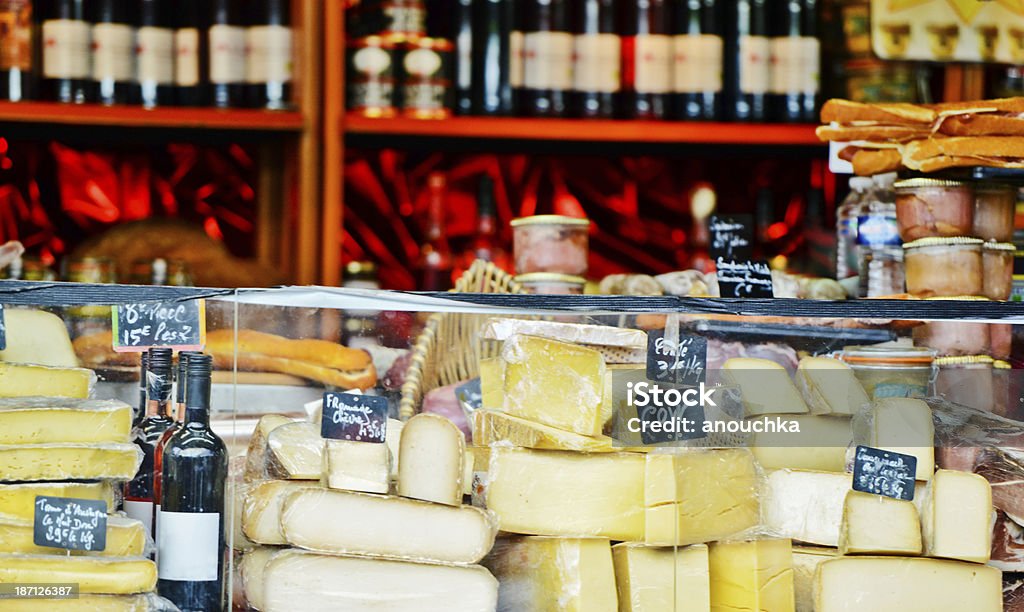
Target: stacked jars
x: 551, y: 253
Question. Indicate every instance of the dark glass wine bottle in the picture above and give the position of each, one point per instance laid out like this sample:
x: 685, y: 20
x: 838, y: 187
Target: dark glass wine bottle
x: 113, y: 51
x: 140, y: 413
x: 795, y: 61
x: 547, y: 58
x: 696, y: 60
x: 226, y: 44
x: 746, y: 75
x: 66, y: 40
x: 491, y: 58
x: 181, y: 376
x: 462, y: 32
x: 646, y: 60
x: 191, y: 53
x: 17, y: 79
x: 155, y: 53
x: 268, y: 62
x: 596, y: 59
x: 190, y: 544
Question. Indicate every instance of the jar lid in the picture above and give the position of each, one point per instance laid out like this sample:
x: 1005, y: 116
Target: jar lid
x: 942, y: 241
x: 988, y: 186
x: 960, y: 298
x: 550, y: 220
x: 360, y: 267
x: 963, y: 360
x: 424, y: 42
x: 1000, y: 246
x: 912, y: 183
x: 550, y: 277
x: 384, y: 42
x: 999, y: 364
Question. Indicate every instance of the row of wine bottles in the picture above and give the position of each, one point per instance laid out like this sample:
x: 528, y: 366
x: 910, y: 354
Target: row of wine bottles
x: 223, y: 53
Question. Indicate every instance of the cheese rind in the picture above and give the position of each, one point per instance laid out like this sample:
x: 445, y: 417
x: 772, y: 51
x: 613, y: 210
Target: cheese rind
x: 830, y: 387
x: 356, y: 466
x: 45, y: 420
x: 755, y: 575
x: 258, y: 455
x: 125, y: 538
x: 101, y: 575
x: 27, y: 462
x: 18, y: 500
x: 261, y: 512
x: 494, y: 427
x: 252, y: 569
x: 806, y: 560
x: 899, y: 584
x: 879, y: 525
x: 432, y: 452
x: 956, y: 516
x: 764, y: 385
x: 39, y: 337
x: 296, y: 452
x: 23, y: 380
x: 649, y: 578
x: 901, y: 425
x: 805, y: 506
x: 820, y: 444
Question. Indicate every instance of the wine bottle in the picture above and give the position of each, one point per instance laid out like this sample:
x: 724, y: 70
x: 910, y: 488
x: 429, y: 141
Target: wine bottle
x: 596, y: 59
x: 491, y: 57
x: 486, y: 243
x: 646, y: 60
x: 226, y: 43
x: 181, y: 376
x: 66, y: 39
x: 190, y: 543
x: 516, y: 54
x: 547, y: 58
x: 435, y: 260
x: 268, y: 62
x: 696, y: 60
x: 155, y: 53
x: 138, y: 493
x: 113, y: 52
x: 191, y: 53
x: 462, y: 21
x: 17, y: 80
x: 795, y: 61
x: 747, y: 50
x: 140, y: 413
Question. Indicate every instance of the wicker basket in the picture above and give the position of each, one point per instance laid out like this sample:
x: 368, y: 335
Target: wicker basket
x: 448, y: 349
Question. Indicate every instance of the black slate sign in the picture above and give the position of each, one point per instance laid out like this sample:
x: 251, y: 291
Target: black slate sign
x: 65, y: 522
x: 682, y: 362
x: 662, y: 422
x: 180, y: 325
x: 743, y: 278
x: 731, y: 237
x: 884, y: 473
x: 359, y: 418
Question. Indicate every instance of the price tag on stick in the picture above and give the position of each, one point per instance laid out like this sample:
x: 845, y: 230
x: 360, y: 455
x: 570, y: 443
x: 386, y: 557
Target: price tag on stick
x: 682, y: 360
x: 177, y: 325
x: 731, y: 237
x: 359, y: 418
x: 884, y: 473
x: 65, y: 522
x: 744, y: 279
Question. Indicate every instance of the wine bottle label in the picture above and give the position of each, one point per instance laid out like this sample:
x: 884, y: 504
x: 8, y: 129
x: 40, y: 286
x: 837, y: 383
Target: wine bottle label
x: 794, y: 65
x: 652, y: 59
x: 755, y: 52
x: 268, y: 54
x: 227, y: 54
x: 370, y: 76
x: 189, y: 545
x: 596, y: 62
x: 186, y: 57
x: 141, y: 511
x: 155, y: 55
x: 113, y: 52
x: 547, y: 60
x: 697, y: 63
x: 15, y: 34
x: 66, y: 49
x: 516, y: 53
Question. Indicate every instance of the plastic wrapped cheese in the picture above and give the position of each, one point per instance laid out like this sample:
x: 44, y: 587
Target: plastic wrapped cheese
x: 806, y: 560
x: 261, y: 512
x: 805, y: 506
x: 496, y: 427
x: 43, y: 420
x: 101, y: 575
x: 830, y: 387
x: 879, y: 525
x: 257, y: 456
x: 756, y: 575
x: 820, y: 444
x: 24, y: 380
x: 296, y: 452
x: 252, y: 569
x: 956, y: 516
x: 432, y: 452
x: 764, y: 385
x: 18, y: 500
x: 143, y: 602
x: 357, y: 466
x: 125, y: 538
x: 27, y: 462
x: 901, y: 425
x: 39, y: 337
x: 649, y: 578
x: 502, y: 329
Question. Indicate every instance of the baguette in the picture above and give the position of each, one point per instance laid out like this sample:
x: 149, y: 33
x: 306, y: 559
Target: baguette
x: 942, y: 162
x: 96, y: 350
x: 998, y: 147
x: 846, y: 111
x: 319, y: 352
x: 869, y: 162
x: 982, y: 125
x: 890, y: 133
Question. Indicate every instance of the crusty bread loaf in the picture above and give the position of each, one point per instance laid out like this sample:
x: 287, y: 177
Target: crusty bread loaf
x: 96, y: 350
x: 847, y: 111
x: 887, y: 133
x: 982, y: 125
x: 869, y: 162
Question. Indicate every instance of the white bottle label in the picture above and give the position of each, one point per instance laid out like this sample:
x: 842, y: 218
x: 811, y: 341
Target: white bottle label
x: 156, y: 55
x: 188, y: 544
x: 186, y: 57
x: 596, y: 62
x: 227, y: 54
x: 269, y: 54
x: 66, y: 53
x: 547, y: 61
x: 653, y: 64
x: 755, y: 52
x: 113, y: 52
x: 697, y: 63
x: 140, y: 511
x: 794, y: 65
x: 515, y: 58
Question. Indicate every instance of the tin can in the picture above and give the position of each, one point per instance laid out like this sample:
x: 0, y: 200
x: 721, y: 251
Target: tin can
x: 370, y: 74
x: 426, y: 83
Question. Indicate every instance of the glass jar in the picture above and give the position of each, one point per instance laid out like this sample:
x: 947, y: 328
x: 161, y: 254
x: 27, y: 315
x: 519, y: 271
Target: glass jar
x: 548, y: 283
x: 550, y: 243
x: 90, y: 270
x: 965, y: 380
x: 1003, y: 401
x: 953, y: 337
x: 932, y: 207
x: 997, y: 269
x: 943, y: 266
x: 1000, y: 339
x: 994, y: 208
x: 891, y: 371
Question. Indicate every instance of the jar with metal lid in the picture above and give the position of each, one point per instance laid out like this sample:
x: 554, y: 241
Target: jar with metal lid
x: 550, y: 243
x: 965, y: 380
x: 933, y: 207
x: 1005, y: 400
x: 994, y: 207
x: 550, y: 283
x: 891, y: 371
x: 425, y: 88
x: 943, y: 266
x: 952, y: 337
x: 997, y: 269
x: 370, y: 76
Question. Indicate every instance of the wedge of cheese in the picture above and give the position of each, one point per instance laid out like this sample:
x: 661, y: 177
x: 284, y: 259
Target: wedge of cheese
x: 554, y: 574
x: 44, y: 420
x: 258, y: 455
x: 296, y: 452
x: 17, y: 500
x: 24, y: 462
x: 829, y: 387
x: 819, y: 445
x: 252, y: 570
x: 495, y: 427
x: 806, y: 560
x: 805, y: 506
x: 311, y: 582
x: 492, y: 382
x: 650, y: 578
x: 567, y: 494
x: 357, y: 466
x: 39, y: 337
x: 105, y: 575
x: 261, y: 512
x: 765, y: 386
x: 899, y: 584
x: 143, y: 602
x: 956, y: 516
x: 125, y: 538
x: 879, y: 525
x: 387, y: 527
x: 902, y: 425
x: 21, y: 380
x: 432, y: 453
x: 756, y: 575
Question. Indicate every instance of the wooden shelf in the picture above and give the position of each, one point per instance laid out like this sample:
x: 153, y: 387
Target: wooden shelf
x: 157, y: 118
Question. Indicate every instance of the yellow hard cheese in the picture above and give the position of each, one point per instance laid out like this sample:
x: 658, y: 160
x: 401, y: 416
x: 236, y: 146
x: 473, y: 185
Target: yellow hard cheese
x: 261, y: 511
x: 829, y: 386
x: 42, y: 420
x: 69, y: 461
x: 296, y: 452
x: 555, y: 383
x: 125, y: 538
x: 146, y: 602
x: 21, y: 380
x: 956, y: 515
x: 806, y: 560
x: 819, y: 445
x: 357, y: 466
x: 756, y: 575
x: 494, y: 427
x: 39, y: 337
x: 805, y: 506
x: 653, y: 579
x: 764, y: 385
x: 17, y: 500
x: 875, y: 524
x: 91, y: 574
x: 902, y: 425
x: 492, y: 382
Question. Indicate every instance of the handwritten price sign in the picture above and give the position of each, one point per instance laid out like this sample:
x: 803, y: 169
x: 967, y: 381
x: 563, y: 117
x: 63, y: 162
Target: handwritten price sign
x: 178, y: 325
x: 360, y: 418
x: 65, y: 522
x: 680, y: 362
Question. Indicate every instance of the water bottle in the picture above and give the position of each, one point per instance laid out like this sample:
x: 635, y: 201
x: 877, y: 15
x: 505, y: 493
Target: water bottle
x: 846, y: 228
x: 879, y: 249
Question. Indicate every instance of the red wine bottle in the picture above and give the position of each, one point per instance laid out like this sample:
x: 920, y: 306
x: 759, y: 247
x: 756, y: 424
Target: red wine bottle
x: 154, y: 49
x: 746, y: 75
x: 113, y: 51
x: 268, y: 62
x: 696, y: 60
x: 191, y: 53
x: 547, y: 58
x: 66, y: 39
x: 140, y: 413
x: 181, y: 375
x: 491, y: 57
x: 190, y: 543
x: 226, y: 41
x: 646, y: 60
x: 596, y: 59
x: 17, y: 79
x: 795, y: 62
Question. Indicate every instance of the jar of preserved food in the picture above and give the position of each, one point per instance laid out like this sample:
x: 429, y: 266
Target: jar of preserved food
x: 550, y: 283
x: 891, y: 371
x: 997, y: 269
x: 994, y: 208
x: 370, y: 76
x: 550, y: 243
x: 951, y: 337
x: 1000, y: 339
x: 965, y: 380
x: 943, y: 266
x: 90, y: 270
x: 426, y: 78
x: 932, y: 207
x: 1004, y: 400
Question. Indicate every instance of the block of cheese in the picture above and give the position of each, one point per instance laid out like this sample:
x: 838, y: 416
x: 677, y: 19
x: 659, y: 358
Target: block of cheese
x: 554, y: 574
x: 555, y: 383
x: 393, y: 439
x: 258, y: 454
x: 755, y: 575
x: 22, y: 380
x: 495, y: 427
x: 805, y: 506
x: 357, y: 466
x: 699, y: 495
x: 806, y: 560
x: 261, y: 512
x: 388, y: 527
x: 609, y: 401
x: 901, y: 584
x: 142, y: 602
x: 43, y: 420
x: 819, y: 445
x: 956, y: 516
x: 432, y: 452
x: 595, y: 335
x: 69, y: 461
x: 879, y: 525
x: 902, y: 425
x: 296, y: 452
x: 649, y: 578
x: 237, y: 504
x: 311, y: 582
x: 492, y: 382
x: 829, y: 386
x: 252, y: 569
x: 568, y: 494
x: 17, y: 500
x: 110, y: 575
x: 39, y: 337
x: 765, y: 386
x: 125, y: 538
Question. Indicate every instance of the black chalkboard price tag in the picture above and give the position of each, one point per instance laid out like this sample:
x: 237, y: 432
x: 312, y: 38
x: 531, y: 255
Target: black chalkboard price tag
x: 178, y: 325
x: 3, y: 329
x: 65, y: 522
x: 470, y: 395
x: 682, y: 362
x: 662, y: 422
x: 744, y: 278
x: 884, y: 473
x: 732, y: 237
x: 359, y: 418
